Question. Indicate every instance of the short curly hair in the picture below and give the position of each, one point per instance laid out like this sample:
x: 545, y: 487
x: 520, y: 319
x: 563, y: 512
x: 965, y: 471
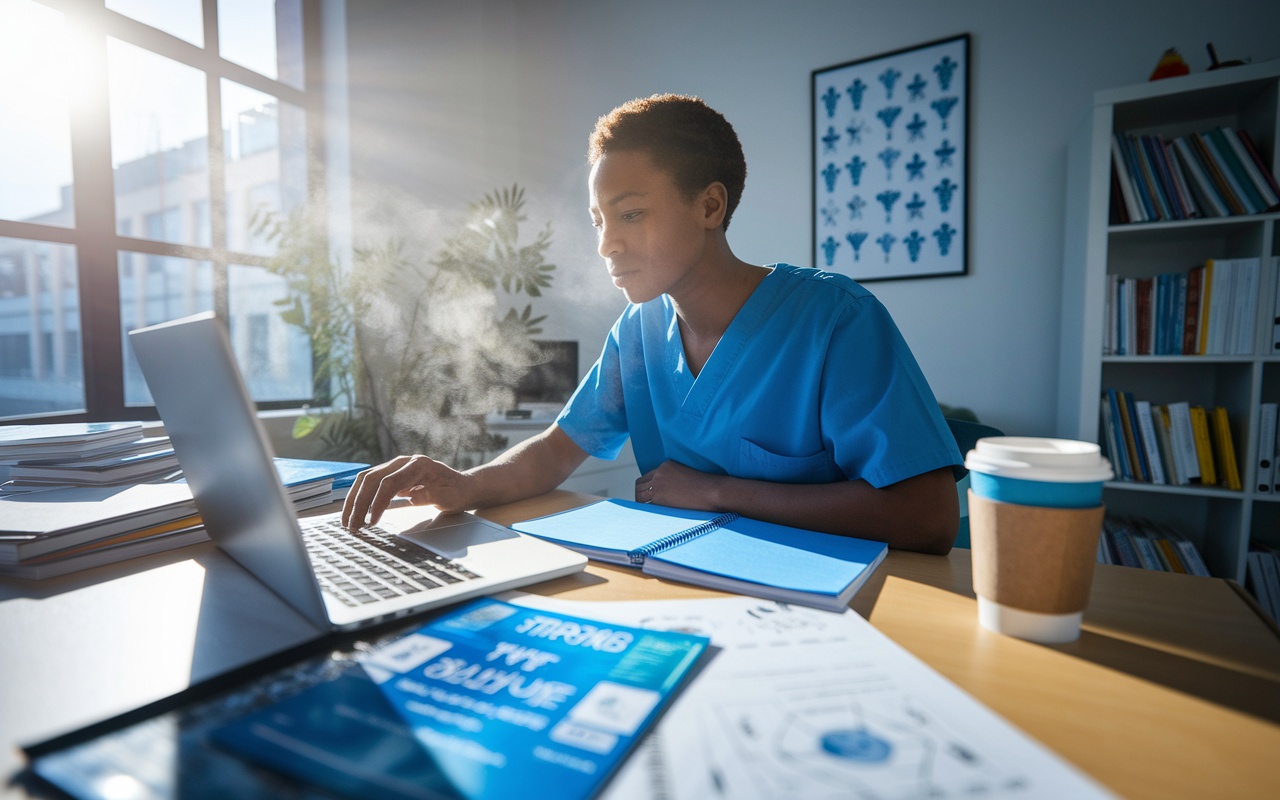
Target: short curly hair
x: 684, y: 135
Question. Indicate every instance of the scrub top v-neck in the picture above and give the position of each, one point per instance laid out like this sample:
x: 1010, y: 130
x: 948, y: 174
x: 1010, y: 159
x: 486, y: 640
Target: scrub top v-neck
x: 810, y: 383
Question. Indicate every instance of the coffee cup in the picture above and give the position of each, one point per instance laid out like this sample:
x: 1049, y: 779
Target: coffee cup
x: 1035, y: 515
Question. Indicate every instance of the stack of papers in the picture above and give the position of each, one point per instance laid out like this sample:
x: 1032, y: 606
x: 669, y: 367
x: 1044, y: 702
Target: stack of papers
x: 70, y: 443
x: 43, y: 534
x: 50, y: 531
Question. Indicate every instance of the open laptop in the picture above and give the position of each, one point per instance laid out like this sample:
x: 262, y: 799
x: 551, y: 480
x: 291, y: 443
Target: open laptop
x: 335, y: 577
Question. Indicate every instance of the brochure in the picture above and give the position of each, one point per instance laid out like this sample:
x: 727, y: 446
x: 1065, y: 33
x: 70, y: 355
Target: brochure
x: 503, y: 701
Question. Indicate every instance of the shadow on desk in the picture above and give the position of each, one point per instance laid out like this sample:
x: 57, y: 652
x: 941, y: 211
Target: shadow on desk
x: 1189, y: 634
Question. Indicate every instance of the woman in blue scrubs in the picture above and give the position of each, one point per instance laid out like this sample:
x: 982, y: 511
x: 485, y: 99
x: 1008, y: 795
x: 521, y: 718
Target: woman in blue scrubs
x: 783, y: 394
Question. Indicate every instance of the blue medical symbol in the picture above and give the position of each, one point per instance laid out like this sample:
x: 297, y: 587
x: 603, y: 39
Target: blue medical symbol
x: 944, y: 191
x: 855, y: 241
x: 855, y: 206
x: 829, y: 100
x: 888, y: 156
x: 855, y: 169
x: 915, y: 168
x: 916, y: 87
x: 830, y: 141
x: 829, y: 212
x: 944, y: 236
x: 829, y: 174
x: 856, y: 745
x: 887, y: 115
x: 829, y: 248
x: 887, y: 198
x: 913, y: 243
x: 915, y: 207
x: 944, y: 153
x: 855, y: 91
x: 855, y: 132
x: 916, y: 128
x: 889, y: 77
x: 945, y: 69
x: 886, y: 243
x: 943, y: 106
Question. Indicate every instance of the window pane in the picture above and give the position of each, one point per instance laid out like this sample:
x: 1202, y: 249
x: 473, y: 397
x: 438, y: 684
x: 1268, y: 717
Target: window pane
x: 157, y: 289
x: 182, y: 18
x: 266, y: 163
x: 40, y: 368
x: 35, y: 136
x: 263, y: 35
x: 274, y: 356
x: 159, y: 145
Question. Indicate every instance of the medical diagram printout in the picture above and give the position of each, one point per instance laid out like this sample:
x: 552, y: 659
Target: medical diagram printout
x: 801, y: 703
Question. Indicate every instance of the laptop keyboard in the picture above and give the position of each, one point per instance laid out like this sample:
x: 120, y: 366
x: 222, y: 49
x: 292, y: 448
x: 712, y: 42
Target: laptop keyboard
x: 371, y: 564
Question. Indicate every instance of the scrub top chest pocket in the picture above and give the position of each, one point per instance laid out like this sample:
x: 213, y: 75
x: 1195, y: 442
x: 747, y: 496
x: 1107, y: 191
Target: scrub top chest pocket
x: 757, y: 463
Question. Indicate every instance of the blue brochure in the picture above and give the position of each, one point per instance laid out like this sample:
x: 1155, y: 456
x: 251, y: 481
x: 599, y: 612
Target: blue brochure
x: 501, y: 702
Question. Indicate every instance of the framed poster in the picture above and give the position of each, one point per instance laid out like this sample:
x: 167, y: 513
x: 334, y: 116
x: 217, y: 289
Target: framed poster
x: 890, y: 163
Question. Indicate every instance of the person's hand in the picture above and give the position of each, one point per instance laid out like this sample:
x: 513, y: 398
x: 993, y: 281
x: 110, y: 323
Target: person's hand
x: 678, y: 486
x: 423, y: 480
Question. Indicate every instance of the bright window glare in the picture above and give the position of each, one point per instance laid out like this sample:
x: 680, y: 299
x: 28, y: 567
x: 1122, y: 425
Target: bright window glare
x: 240, y: 100
x: 182, y: 18
x: 157, y: 104
x: 35, y: 137
x: 247, y: 34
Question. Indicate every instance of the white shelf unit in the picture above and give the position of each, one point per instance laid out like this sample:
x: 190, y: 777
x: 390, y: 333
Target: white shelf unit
x: 1219, y: 521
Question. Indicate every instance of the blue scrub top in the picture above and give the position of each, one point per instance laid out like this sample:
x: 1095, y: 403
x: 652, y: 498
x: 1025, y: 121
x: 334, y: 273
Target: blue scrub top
x: 810, y: 383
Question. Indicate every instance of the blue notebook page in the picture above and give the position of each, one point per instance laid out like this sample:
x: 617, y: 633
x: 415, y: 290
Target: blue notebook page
x: 614, y: 526
x: 294, y: 472
x: 776, y: 555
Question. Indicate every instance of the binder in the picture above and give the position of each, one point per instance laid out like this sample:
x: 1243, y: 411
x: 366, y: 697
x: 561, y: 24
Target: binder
x: 1266, y: 447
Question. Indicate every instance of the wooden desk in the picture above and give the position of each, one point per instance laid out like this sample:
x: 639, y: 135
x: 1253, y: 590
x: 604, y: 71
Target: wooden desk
x: 1172, y: 691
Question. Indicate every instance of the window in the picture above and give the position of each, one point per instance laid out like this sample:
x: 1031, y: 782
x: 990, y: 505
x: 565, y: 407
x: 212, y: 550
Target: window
x: 140, y: 143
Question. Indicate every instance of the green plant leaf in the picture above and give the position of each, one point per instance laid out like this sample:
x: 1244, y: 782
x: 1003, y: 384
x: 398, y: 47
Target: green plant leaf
x: 305, y: 424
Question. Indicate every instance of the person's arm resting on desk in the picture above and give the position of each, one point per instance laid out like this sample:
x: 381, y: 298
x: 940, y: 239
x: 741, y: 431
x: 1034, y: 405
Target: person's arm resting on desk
x: 920, y: 513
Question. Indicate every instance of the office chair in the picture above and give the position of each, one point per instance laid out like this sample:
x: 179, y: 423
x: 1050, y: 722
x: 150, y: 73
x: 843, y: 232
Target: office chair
x: 967, y: 435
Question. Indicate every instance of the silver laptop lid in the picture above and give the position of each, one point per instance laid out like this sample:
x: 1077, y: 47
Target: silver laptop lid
x: 225, y: 454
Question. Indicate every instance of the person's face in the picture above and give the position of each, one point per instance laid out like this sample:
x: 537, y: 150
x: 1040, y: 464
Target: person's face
x: 649, y: 235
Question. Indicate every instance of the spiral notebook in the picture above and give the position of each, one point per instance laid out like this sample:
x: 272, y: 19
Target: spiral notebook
x: 720, y: 551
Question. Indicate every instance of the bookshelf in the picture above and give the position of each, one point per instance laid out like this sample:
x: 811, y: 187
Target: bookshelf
x: 1219, y: 521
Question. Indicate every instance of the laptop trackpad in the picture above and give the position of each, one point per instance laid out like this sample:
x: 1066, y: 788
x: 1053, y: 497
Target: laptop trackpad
x: 454, y: 541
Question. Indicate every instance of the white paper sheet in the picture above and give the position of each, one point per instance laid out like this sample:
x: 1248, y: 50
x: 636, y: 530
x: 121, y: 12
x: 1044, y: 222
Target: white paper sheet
x: 800, y: 703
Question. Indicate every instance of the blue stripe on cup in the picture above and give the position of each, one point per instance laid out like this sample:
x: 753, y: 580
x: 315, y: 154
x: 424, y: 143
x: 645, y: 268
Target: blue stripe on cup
x: 1046, y: 494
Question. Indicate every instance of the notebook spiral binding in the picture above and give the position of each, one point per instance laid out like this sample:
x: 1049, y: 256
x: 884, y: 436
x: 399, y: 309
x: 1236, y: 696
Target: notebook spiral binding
x: 637, y: 556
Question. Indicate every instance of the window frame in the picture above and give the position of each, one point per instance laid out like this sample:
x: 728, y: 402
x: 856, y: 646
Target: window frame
x: 88, y: 24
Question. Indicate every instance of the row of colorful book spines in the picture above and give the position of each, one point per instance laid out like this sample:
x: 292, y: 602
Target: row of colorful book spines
x: 1176, y: 316
x: 1217, y: 173
x: 1152, y: 444
x: 1123, y: 544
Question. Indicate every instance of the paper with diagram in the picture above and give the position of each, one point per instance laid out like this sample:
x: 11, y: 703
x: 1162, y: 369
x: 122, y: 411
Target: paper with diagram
x: 805, y: 703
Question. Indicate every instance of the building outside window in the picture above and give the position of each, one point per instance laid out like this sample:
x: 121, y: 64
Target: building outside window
x: 140, y: 143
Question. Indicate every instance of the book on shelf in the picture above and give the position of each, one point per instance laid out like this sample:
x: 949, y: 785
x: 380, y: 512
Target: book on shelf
x: 1209, y: 310
x: 1214, y: 173
x: 1144, y: 544
x: 721, y: 551
x: 1262, y: 577
x: 1172, y: 444
x: 1275, y: 319
x: 1267, y: 414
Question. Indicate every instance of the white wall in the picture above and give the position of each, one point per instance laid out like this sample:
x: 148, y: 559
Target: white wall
x: 449, y: 99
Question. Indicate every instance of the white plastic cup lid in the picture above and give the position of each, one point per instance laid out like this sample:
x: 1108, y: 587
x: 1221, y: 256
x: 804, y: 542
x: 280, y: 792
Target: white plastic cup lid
x: 1036, y: 459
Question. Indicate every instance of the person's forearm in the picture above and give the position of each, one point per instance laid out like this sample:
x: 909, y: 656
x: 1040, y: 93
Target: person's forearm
x: 920, y: 513
x: 533, y: 467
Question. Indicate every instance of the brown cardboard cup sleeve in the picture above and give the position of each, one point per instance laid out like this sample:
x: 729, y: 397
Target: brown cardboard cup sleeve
x: 1034, y: 558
